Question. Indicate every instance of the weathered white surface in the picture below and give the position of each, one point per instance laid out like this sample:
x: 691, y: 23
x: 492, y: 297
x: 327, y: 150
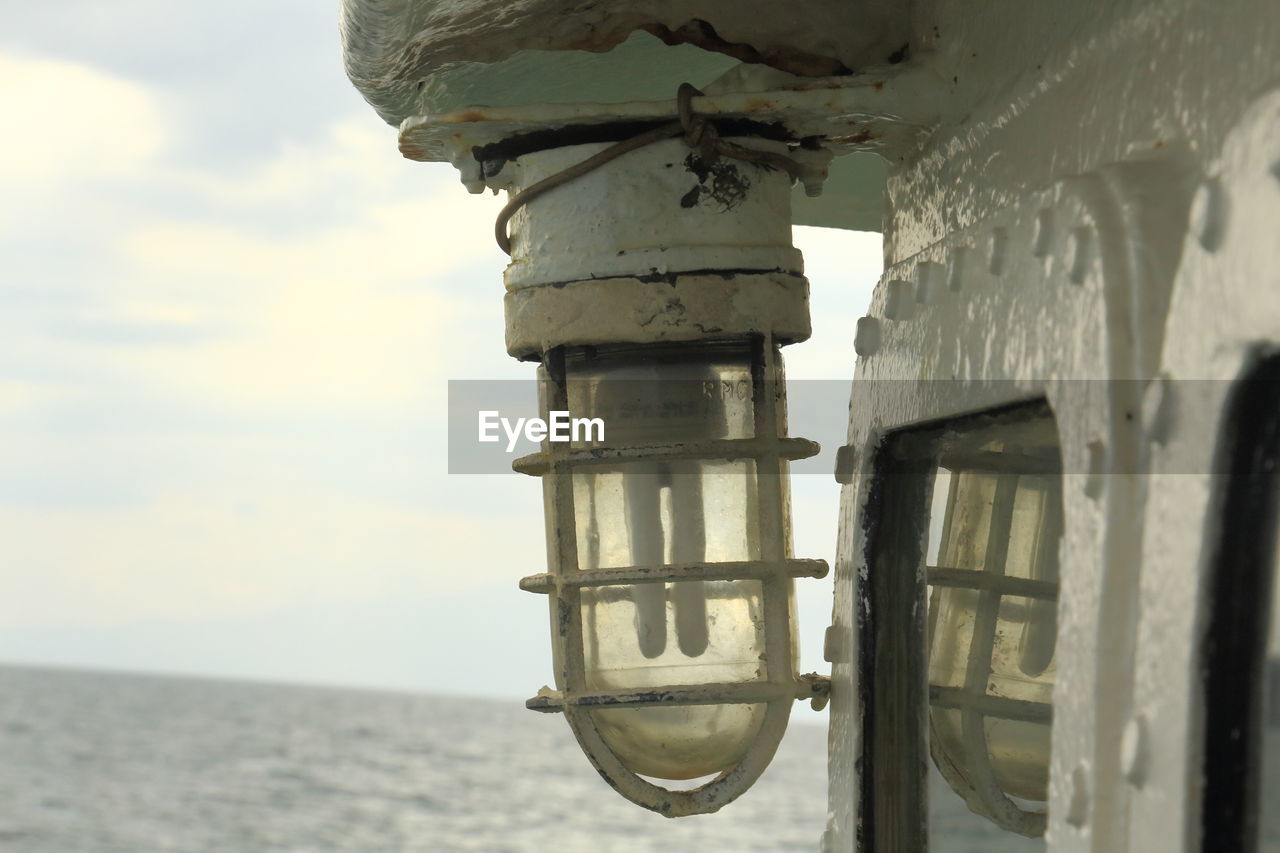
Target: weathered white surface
x: 1226, y: 305
x: 655, y: 245
x: 888, y: 110
x: 656, y: 211
x: 628, y: 310
x: 1077, y: 217
x: 1063, y: 218
x: 976, y: 339
x: 420, y: 58
x: 409, y: 56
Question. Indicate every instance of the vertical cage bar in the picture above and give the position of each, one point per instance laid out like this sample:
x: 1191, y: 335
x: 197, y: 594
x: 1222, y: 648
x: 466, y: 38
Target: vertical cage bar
x: 558, y: 486
x: 770, y: 479
x: 978, y: 769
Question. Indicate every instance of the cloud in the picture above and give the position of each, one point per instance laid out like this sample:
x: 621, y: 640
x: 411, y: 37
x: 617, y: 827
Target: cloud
x: 222, y: 379
x: 201, y: 556
x: 64, y: 122
x: 348, y: 306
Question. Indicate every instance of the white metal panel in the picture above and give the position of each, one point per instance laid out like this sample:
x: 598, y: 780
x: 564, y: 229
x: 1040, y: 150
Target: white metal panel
x: 1120, y: 109
x: 1226, y: 305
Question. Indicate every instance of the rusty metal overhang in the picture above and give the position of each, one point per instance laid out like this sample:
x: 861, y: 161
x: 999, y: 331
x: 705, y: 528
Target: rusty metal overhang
x: 420, y: 57
x: 419, y: 60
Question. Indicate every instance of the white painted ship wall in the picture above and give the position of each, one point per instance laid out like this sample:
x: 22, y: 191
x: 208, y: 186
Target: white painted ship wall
x: 1108, y: 208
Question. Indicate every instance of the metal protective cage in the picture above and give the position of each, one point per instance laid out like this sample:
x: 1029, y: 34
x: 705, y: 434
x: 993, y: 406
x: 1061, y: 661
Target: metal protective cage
x: 771, y: 450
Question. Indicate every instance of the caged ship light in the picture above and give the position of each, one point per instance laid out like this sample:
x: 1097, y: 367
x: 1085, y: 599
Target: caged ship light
x: 662, y: 313
x: 1056, y: 622
x: 654, y: 281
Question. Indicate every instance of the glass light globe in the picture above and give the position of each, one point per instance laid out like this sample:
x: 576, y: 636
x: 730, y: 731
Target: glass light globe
x: 670, y: 510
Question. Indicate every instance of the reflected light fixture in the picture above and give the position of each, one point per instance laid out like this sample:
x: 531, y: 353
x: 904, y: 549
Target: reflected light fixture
x: 993, y: 617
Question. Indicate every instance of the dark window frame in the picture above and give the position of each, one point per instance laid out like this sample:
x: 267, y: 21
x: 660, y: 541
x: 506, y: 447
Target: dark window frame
x: 1232, y: 654
x: 891, y: 619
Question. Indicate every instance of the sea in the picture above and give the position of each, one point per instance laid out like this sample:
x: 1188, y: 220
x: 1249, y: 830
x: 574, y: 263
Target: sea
x: 92, y: 762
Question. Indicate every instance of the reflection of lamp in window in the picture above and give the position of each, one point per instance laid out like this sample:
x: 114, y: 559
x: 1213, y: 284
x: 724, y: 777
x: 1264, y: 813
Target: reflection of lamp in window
x: 993, y: 619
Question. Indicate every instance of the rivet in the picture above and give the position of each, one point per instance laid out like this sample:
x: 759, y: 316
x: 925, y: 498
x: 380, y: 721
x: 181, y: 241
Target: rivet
x: 898, y: 299
x: 831, y: 644
x: 999, y: 247
x: 1134, y: 754
x: 866, y: 338
x: 1209, y: 214
x: 928, y: 278
x: 1079, y: 254
x: 846, y: 464
x: 1158, y: 409
x: 1097, y: 467
x: 1078, y: 804
x: 955, y: 281
x: 1043, y: 236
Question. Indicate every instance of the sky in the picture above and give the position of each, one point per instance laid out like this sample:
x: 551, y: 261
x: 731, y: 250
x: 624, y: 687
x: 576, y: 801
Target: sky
x: 229, y: 311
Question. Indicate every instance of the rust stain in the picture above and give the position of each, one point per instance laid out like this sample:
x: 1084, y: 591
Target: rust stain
x: 878, y: 85
x: 853, y: 139
x: 464, y: 117
x: 758, y: 105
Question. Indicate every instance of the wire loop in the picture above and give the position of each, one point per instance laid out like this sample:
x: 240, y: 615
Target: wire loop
x: 699, y: 134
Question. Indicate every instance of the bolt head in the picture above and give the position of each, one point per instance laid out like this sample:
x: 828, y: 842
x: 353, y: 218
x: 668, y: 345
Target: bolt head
x: 1079, y: 254
x: 866, y: 340
x: 1157, y: 409
x: 1209, y: 214
x: 1134, y: 752
x: 1042, y: 237
x: 1095, y: 481
x: 1078, y: 804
